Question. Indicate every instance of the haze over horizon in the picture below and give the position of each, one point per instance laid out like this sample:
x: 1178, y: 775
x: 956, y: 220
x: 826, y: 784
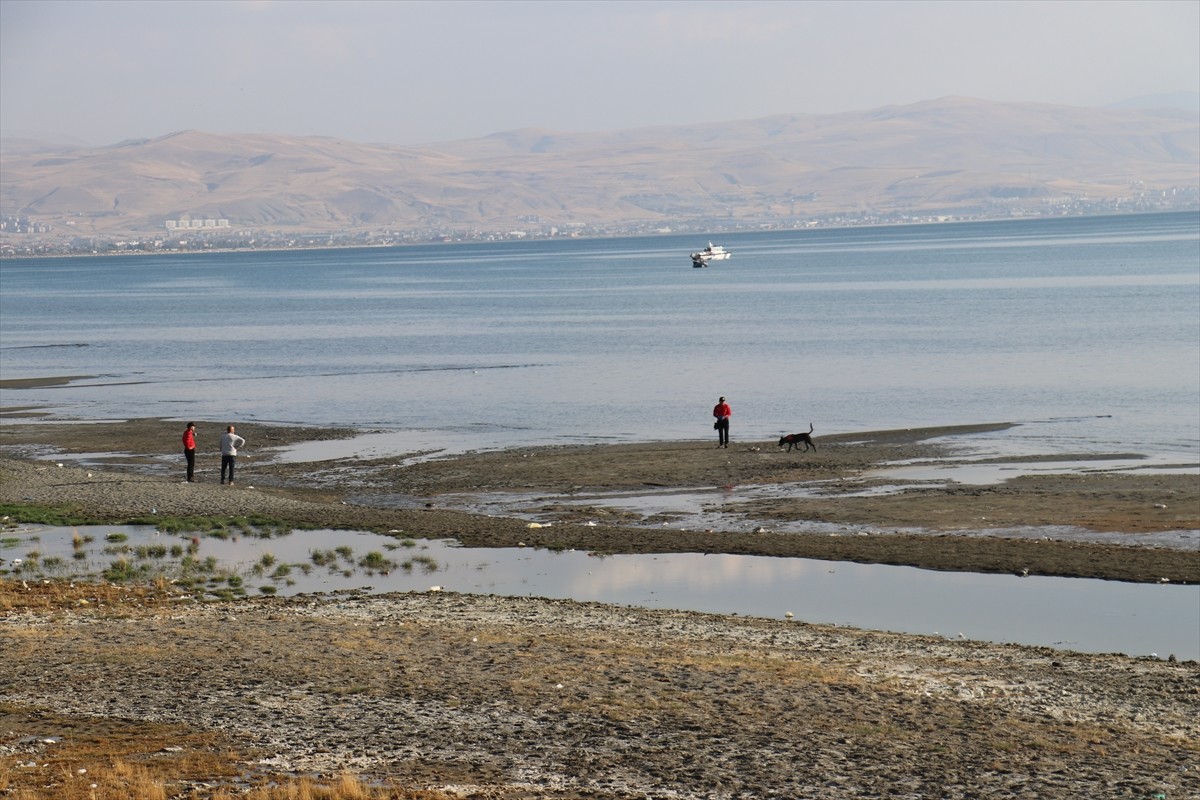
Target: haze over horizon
x: 100, y: 72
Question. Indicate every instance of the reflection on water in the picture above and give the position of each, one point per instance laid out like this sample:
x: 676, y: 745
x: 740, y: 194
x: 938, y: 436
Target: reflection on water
x: 1073, y: 614
x: 986, y: 473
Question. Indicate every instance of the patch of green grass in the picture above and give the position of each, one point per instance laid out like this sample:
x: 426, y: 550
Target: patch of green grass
x: 426, y: 563
x: 125, y: 571
x: 190, y: 583
x: 375, y: 560
x: 323, y: 558
x: 258, y: 525
x: 191, y: 567
x: 44, y: 515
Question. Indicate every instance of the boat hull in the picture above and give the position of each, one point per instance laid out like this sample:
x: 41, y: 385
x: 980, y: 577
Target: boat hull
x: 708, y: 254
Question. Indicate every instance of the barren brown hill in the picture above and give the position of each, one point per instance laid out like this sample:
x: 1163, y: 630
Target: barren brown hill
x: 953, y: 155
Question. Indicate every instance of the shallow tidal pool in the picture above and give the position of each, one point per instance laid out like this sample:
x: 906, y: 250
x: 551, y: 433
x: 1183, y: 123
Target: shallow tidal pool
x: 1066, y: 613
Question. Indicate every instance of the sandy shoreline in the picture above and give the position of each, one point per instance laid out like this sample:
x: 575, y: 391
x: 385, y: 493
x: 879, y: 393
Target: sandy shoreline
x: 519, y: 698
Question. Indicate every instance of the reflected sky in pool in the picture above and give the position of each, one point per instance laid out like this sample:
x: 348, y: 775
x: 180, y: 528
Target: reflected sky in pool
x: 1065, y: 613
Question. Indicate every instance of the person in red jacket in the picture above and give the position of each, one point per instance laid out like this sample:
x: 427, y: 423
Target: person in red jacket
x: 722, y: 412
x: 189, y: 450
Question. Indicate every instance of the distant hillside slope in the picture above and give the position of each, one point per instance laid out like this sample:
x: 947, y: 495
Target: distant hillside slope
x: 942, y: 156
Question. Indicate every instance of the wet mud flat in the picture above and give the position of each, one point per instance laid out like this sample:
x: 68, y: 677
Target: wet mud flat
x: 133, y: 467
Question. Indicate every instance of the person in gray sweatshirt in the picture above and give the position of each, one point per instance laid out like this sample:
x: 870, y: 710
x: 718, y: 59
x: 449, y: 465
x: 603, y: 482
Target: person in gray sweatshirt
x: 230, y: 443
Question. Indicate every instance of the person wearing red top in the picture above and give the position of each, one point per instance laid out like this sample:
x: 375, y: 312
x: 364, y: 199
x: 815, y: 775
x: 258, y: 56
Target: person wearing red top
x: 722, y: 412
x: 189, y: 450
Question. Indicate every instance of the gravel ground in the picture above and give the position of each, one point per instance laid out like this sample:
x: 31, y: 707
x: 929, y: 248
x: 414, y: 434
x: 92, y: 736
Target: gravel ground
x: 524, y: 698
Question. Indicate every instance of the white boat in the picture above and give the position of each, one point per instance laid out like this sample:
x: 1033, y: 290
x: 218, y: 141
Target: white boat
x: 714, y: 252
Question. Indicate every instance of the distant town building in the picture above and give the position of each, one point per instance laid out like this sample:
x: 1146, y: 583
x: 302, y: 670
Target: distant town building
x: 187, y: 224
x: 11, y: 224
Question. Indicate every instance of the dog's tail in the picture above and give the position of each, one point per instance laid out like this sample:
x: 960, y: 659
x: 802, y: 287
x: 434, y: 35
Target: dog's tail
x: 810, y: 427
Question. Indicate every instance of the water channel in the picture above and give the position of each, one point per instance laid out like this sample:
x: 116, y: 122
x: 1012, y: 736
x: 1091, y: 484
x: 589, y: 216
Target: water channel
x: 1065, y: 613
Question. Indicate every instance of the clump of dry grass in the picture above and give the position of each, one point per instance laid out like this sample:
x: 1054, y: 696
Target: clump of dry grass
x: 344, y: 787
x: 123, y: 781
x: 81, y: 758
x: 109, y: 759
x: 48, y: 595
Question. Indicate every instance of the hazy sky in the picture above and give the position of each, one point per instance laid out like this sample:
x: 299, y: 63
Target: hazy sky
x: 416, y: 72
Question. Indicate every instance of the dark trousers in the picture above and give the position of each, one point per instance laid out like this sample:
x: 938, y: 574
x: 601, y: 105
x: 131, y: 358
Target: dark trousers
x: 227, y: 462
x: 190, y: 455
x: 723, y: 431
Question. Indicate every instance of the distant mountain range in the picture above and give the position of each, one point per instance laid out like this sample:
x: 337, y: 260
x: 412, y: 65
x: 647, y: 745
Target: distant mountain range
x: 952, y: 156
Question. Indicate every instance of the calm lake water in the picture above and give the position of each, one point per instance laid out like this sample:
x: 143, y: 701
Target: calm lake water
x: 1086, y: 330
x: 1064, y: 613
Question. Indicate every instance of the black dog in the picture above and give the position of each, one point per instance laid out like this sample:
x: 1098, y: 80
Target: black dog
x: 797, y: 439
